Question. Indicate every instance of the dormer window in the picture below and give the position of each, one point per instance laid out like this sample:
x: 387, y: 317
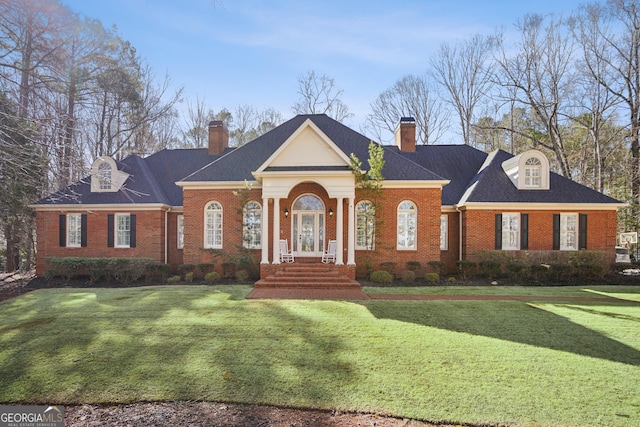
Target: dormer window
x: 532, y: 173
x: 528, y: 171
x: 105, y: 176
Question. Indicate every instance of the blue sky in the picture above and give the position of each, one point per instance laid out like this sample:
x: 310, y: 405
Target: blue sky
x: 251, y: 52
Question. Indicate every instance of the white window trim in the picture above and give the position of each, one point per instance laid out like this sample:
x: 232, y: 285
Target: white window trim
x: 506, y: 232
x: 563, y: 231
x: 543, y: 167
x: 444, y: 232
x: 255, y: 232
x: 366, y: 246
x: 117, y: 180
x: 78, y: 218
x: 116, y: 235
x: 180, y: 232
x: 207, y: 244
x: 407, y: 213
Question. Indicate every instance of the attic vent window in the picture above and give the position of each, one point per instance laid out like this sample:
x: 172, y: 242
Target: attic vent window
x: 533, y: 173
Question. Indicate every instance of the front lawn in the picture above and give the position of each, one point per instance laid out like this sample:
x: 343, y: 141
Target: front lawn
x: 480, y: 362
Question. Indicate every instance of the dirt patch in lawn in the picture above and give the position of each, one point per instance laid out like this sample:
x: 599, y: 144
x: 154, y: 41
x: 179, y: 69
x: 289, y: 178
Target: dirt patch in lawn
x: 222, y: 414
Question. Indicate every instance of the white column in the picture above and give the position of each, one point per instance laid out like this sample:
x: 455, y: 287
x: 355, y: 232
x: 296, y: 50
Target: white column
x: 264, y: 238
x: 351, y: 233
x: 276, y: 230
x: 339, y: 233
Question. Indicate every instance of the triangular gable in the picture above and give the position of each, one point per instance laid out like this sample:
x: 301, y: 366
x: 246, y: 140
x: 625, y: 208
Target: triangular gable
x: 308, y: 146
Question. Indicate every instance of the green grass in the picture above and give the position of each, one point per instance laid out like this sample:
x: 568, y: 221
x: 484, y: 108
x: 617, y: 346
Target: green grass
x: 479, y: 362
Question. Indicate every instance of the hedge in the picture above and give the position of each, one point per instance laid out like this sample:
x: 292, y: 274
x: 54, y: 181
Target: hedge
x: 122, y: 270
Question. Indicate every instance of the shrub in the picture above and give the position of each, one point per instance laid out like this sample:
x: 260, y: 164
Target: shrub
x: 451, y: 279
x: 433, y: 278
x: 389, y: 267
x: 188, y: 277
x: 539, y: 272
x: 489, y: 269
x: 203, y: 269
x: 381, y: 276
x: 438, y: 267
x: 157, y: 272
x: 124, y: 270
x: 173, y: 279
x: 408, y: 276
x: 186, y: 268
x: 228, y: 269
x: 466, y: 268
x: 560, y: 272
x: 413, y: 265
x: 589, y: 272
x: 242, y: 275
x: 212, y: 277
x: 516, y: 270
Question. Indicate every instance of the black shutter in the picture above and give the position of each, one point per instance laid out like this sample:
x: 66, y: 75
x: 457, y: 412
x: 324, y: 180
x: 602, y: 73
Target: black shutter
x: 110, y: 230
x: 582, y: 237
x: 132, y: 231
x: 83, y: 230
x: 556, y: 231
x: 63, y: 230
x: 524, y: 231
x: 498, y: 231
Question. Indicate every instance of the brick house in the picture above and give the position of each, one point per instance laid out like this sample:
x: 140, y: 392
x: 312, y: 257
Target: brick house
x: 439, y: 202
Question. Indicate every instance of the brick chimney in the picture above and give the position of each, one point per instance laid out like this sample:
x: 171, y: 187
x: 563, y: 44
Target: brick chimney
x: 218, y: 137
x: 405, y: 134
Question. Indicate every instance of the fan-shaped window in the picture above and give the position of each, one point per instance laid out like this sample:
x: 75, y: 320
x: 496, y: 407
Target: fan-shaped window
x: 213, y: 225
x: 533, y: 173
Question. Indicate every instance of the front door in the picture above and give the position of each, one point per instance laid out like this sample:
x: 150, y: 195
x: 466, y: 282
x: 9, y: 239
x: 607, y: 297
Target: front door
x: 308, y: 226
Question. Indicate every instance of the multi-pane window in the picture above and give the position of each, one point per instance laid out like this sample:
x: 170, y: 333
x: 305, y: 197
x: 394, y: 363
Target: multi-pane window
x: 444, y: 232
x: 74, y: 230
x: 252, y: 225
x: 511, y: 231
x: 213, y: 225
x: 180, y: 231
x: 407, y: 219
x: 123, y: 231
x: 568, y: 231
x: 533, y: 173
x: 104, y: 176
x: 365, y: 225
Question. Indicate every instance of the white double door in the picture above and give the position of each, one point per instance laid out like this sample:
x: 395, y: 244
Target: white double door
x: 308, y: 233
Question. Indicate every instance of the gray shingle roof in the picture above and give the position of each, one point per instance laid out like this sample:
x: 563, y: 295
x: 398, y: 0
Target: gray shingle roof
x: 152, y: 179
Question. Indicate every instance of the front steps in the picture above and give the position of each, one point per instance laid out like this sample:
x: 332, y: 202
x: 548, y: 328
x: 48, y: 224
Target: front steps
x: 308, y: 281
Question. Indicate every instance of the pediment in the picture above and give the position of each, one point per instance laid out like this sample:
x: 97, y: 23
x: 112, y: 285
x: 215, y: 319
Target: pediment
x: 308, y: 146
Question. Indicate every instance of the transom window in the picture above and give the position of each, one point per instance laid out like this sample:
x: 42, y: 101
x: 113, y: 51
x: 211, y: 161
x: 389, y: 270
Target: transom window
x: 308, y: 203
x: 252, y: 225
x: 407, y: 220
x: 533, y: 173
x: 365, y: 225
x: 213, y: 225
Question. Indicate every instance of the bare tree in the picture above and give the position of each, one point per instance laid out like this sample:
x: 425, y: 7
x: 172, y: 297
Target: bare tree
x: 251, y: 123
x: 538, y: 77
x: 319, y: 95
x: 465, y: 71
x: 409, y: 96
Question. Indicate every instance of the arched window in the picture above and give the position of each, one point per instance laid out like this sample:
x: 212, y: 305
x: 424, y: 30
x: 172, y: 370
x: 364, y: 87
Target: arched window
x: 407, y: 220
x: 365, y: 225
x: 252, y: 225
x: 533, y: 173
x: 213, y: 225
x: 104, y: 176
